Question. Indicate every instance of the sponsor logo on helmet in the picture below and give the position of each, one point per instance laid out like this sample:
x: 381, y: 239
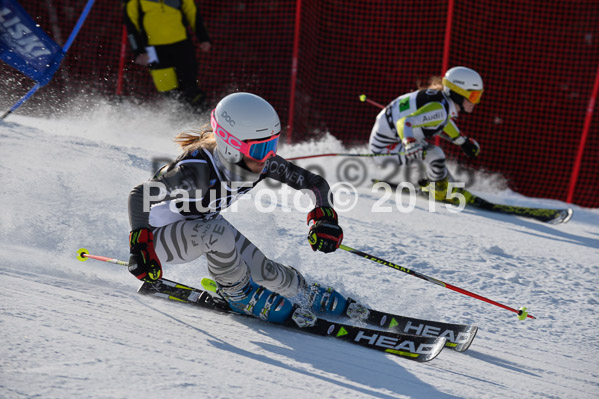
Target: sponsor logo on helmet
x: 459, y: 81
x: 228, y: 138
x: 228, y: 118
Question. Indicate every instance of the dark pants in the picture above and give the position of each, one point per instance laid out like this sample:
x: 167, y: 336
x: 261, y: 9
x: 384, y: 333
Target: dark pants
x: 182, y: 57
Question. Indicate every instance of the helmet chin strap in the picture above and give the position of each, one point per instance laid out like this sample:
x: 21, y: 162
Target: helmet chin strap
x: 235, y: 172
x: 457, y: 99
x: 242, y: 164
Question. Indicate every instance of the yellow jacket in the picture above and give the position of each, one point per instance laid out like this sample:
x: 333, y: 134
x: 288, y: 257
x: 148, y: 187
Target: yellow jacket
x: 161, y: 22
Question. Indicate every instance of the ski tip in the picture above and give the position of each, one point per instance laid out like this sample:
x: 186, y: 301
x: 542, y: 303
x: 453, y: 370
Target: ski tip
x: 437, y: 349
x: 81, y: 254
x: 563, y: 216
x: 433, y: 350
x: 464, y: 346
x: 569, y: 214
x: 362, y: 97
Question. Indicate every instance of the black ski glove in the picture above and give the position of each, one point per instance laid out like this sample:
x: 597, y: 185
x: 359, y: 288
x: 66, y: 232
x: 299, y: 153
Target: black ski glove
x: 143, y: 262
x: 471, y: 148
x: 325, y: 234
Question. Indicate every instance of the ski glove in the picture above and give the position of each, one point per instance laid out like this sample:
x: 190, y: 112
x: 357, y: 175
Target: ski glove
x: 325, y: 234
x: 412, y: 149
x: 143, y: 262
x: 471, y: 148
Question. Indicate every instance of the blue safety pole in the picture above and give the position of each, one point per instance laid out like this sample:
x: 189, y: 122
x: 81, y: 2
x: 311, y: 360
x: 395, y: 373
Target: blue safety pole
x: 78, y: 26
x: 22, y: 100
x: 65, y: 48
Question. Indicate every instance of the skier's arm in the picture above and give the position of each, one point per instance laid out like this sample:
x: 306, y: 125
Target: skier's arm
x: 429, y: 115
x: 133, y: 22
x: 452, y: 133
x: 194, y: 20
x: 469, y: 145
x: 299, y: 178
x: 325, y: 233
x: 190, y: 179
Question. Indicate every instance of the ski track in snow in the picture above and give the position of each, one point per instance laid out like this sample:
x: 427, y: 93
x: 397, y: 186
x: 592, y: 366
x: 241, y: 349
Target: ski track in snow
x: 78, y: 329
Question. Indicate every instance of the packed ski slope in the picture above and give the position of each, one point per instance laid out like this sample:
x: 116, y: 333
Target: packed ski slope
x: 75, y: 329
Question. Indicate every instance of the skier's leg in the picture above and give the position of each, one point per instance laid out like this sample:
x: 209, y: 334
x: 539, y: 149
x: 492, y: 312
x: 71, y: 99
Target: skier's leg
x: 216, y: 239
x: 228, y: 252
x: 275, y: 276
x: 290, y: 282
x: 436, y: 171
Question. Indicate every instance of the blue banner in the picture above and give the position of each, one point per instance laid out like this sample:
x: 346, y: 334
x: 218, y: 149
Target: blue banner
x: 25, y: 46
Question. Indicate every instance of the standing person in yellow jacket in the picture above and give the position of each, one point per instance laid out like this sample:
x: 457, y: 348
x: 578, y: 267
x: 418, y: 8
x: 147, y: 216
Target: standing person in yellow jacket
x: 158, y: 31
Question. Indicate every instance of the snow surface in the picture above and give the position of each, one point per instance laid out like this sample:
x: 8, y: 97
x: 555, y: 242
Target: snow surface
x: 74, y: 329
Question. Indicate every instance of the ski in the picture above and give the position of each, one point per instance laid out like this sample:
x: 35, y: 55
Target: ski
x: 458, y: 337
x: 414, y: 347
x: 547, y: 215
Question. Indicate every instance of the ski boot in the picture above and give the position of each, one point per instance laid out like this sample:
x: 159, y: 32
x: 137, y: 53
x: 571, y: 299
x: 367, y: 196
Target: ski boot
x: 439, y: 188
x: 252, y: 299
x: 328, y: 301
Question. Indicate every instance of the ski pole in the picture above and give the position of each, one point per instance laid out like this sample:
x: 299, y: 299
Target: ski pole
x: 363, y: 98
x: 83, y: 255
x: 522, y: 313
x: 339, y: 155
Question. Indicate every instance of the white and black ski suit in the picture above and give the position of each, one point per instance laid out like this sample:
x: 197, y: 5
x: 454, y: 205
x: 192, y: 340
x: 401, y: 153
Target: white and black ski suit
x: 421, y: 114
x: 186, y: 221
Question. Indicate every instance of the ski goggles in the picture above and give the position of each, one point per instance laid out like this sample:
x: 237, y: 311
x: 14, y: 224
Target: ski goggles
x: 471, y: 95
x: 474, y: 96
x: 258, y: 150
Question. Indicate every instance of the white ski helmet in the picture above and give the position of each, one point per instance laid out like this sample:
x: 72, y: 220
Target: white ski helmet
x: 245, y: 116
x: 461, y: 82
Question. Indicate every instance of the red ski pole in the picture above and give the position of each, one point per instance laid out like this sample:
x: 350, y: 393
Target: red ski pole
x: 338, y: 155
x: 83, y: 255
x: 363, y: 98
x: 522, y: 314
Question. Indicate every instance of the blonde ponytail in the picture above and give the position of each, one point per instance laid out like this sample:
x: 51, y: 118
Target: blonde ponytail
x: 434, y: 83
x: 192, y: 140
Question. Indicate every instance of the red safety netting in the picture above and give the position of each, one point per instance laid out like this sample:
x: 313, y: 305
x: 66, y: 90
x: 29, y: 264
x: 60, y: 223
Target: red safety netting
x: 539, y: 61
